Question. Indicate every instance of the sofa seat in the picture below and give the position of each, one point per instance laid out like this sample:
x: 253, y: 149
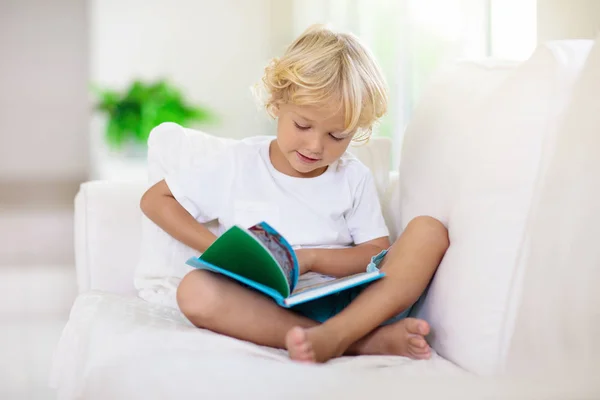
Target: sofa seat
x: 108, y: 332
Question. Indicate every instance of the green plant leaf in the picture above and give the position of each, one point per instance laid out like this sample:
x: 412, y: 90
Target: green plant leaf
x: 114, y: 134
x: 133, y: 113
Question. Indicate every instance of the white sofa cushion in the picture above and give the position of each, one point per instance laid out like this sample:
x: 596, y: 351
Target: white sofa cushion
x: 118, y: 347
x: 558, y: 326
x: 172, y: 148
x: 471, y: 158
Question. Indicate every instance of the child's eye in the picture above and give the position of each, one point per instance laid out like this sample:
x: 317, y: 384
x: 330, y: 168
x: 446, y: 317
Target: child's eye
x: 302, y: 128
x: 337, y: 139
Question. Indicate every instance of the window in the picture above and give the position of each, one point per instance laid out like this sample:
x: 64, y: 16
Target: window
x: 412, y: 39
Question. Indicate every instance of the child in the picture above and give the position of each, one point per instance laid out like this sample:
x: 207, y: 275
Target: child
x: 325, y: 92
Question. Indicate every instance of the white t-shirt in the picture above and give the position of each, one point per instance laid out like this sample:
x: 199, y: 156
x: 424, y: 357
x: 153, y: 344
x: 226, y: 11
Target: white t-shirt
x: 336, y: 209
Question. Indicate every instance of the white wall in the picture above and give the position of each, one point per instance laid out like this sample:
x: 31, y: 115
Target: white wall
x: 213, y: 50
x: 513, y: 29
x: 43, y: 90
x: 568, y: 19
x: 50, y: 50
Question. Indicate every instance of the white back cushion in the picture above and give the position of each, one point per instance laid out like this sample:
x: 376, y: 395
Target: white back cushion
x: 471, y: 158
x: 171, y: 148
x: 558, y: 326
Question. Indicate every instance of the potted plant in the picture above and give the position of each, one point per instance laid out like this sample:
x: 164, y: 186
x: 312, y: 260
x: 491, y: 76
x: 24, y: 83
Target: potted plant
x: 133, y: 113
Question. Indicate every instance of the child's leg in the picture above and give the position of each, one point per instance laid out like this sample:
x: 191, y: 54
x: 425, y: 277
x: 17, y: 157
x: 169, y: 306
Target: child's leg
x: 214, y: 302
x: 409, y: 266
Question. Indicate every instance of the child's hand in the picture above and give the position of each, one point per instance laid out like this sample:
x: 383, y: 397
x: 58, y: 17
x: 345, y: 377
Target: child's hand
x: 306, y: 259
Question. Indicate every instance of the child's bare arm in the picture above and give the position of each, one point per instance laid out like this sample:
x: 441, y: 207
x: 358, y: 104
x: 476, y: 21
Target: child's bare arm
x: 161, y: 207
x: 341, y: 262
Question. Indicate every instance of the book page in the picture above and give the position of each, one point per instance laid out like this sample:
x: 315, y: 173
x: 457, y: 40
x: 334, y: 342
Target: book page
x: 323, y: 286
x: 314, y: 280
x: 279, y: 248
x: 311, y: 280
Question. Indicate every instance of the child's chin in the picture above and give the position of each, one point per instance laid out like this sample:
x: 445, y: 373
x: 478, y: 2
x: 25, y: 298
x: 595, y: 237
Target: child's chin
x: 306, y: 170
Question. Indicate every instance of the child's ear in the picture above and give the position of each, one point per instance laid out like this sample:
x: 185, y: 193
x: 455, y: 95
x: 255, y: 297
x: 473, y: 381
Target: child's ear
x: 276, y: 111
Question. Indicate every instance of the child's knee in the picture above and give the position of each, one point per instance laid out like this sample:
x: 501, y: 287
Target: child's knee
x: 431, y: 229
x: 198, y: 295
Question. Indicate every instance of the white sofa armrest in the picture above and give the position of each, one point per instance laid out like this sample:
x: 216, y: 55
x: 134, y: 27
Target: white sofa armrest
x: 107, y: 235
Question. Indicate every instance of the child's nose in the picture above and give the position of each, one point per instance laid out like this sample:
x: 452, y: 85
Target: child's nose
x: 314, y: 142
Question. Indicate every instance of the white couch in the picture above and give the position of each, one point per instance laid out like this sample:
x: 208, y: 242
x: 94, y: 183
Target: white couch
x: 504, y: 155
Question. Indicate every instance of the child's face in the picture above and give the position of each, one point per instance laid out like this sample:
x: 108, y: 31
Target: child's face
x: 308, y: 139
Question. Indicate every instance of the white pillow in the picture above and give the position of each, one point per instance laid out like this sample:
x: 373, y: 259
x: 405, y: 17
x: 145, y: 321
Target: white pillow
x: 172, y: 148
x: 471, y: 158
x: 558, y: 327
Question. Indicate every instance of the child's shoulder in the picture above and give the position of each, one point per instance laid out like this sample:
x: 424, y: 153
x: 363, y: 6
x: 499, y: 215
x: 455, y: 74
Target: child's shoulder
x: 352, y: 167
x: 248, y: 147
x: 256, y: 141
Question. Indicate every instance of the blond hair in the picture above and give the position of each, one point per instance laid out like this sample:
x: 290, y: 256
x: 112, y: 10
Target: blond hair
x: 322, y: 66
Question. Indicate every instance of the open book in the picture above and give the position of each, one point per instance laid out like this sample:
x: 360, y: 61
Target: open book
x: 262, y: 259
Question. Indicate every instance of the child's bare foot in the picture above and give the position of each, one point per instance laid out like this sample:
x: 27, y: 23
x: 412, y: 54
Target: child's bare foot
x: 403, y: 338
x: 298, y: 345
x: 312, y: 345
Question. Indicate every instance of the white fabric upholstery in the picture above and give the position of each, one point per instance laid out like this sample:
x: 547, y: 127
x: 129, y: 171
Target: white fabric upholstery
x: 558, y: 326
x: 472, y: 157
x: 112, y: 337
x: 391, y: 210
x: 107, y: 235
x: 117, y: 347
